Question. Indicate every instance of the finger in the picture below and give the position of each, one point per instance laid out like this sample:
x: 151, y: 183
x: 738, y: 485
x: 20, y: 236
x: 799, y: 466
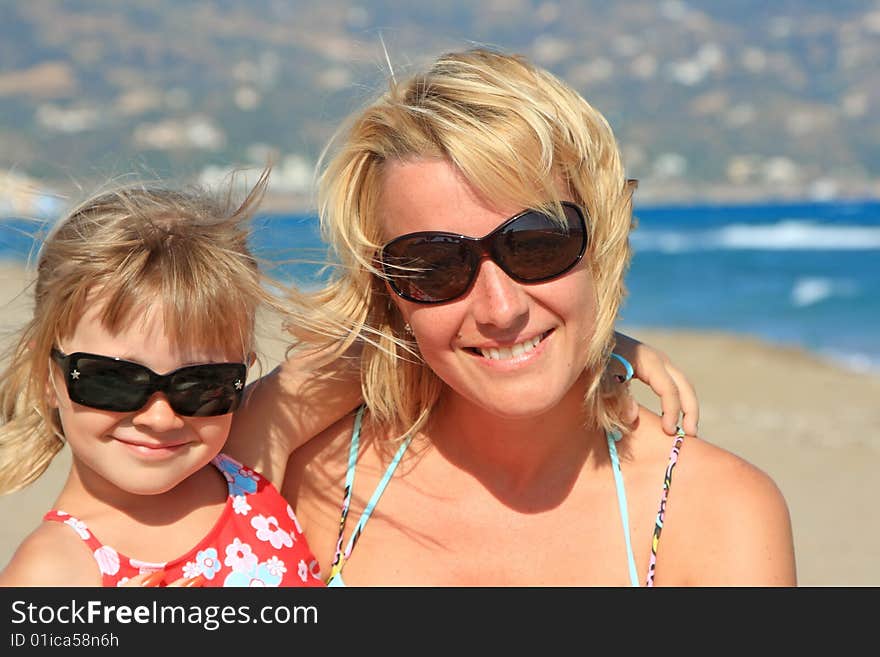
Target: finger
x: 670, y: 403
x: 188, y: 582
x: 690, y: 407
x: 149, y: 579
x: 654, y: 372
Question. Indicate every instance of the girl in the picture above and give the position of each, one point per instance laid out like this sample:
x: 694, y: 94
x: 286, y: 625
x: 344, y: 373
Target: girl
x: 136, y: 357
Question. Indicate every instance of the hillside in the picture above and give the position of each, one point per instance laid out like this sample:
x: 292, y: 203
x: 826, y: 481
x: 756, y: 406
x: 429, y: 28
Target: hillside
x: 711, y: 100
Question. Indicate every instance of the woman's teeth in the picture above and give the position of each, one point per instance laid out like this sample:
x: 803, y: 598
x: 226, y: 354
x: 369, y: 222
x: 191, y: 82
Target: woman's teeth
x: 504, y: 353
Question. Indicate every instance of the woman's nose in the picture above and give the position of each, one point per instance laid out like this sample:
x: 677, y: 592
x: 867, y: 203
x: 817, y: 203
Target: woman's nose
x: 497, y: 299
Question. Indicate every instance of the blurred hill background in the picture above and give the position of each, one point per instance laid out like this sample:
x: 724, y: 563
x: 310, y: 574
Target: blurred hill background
x: 711, y: 100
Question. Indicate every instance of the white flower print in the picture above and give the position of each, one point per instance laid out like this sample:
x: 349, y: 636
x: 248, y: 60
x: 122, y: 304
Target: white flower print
x: 275, y: 566
x: 240, y: 505
x: 108, y: 560
x: 123, y: 581
x: 302, y: 570
x: 240, y: 557
x: 79, y: 527
x: 268, y: 530
x: 191, y: 569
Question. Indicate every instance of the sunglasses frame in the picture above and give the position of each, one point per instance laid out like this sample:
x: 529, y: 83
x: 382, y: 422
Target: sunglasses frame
x: 484, y: 245
x: 157, y: 382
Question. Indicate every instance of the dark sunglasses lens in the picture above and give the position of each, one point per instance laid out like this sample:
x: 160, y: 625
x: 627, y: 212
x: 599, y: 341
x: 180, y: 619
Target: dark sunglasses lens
x: 434, y: 268
x: 206, y: 390
x: 535, y: 247
x: 107, y: 385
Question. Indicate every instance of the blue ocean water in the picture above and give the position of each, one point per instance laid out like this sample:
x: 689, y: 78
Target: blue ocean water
x: 803, y: 274
x: 798, y: 274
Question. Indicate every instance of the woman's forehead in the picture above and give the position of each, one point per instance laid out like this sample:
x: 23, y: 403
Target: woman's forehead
x: 434, y: 195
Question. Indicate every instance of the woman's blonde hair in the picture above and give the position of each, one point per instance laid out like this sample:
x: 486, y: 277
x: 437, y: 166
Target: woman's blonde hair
x: 133, y: 246
x: 514, y: 131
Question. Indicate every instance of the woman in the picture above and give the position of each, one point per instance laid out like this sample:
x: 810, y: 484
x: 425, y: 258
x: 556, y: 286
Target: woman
x: 481, y: 215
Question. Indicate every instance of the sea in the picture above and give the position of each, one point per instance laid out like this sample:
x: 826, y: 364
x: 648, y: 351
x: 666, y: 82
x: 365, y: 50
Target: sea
x: 796, y: 274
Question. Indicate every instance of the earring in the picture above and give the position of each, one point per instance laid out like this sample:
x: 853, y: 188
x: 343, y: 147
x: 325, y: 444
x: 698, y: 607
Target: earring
x: 408, y: 328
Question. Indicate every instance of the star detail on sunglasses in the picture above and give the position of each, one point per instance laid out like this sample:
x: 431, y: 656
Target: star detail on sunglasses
x: 237, y: 384
x: 74, y: 374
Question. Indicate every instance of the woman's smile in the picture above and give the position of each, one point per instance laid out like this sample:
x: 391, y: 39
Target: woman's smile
x: 501, y: 355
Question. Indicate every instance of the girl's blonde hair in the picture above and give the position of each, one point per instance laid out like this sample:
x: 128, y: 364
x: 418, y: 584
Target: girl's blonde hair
x: 514, y: 131
x: 133, y: 246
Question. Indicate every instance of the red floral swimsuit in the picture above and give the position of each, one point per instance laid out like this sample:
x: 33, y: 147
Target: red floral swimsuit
x: 257, y: 541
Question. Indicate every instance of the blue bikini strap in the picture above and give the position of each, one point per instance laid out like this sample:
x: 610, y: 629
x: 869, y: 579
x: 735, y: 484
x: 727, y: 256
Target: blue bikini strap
x: 613, y: 437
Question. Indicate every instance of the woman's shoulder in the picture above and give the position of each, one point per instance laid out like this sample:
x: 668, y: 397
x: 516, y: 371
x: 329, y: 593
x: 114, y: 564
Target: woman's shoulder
x: 333, y: 443
x: 725, y: 513
x: 323, y: 460
x: 51, y: 555
x: 701, y: 464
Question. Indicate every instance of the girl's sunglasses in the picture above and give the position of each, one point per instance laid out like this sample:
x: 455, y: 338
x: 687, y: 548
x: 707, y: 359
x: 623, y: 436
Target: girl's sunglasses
x: 435, y: 267
x: 112, y: 384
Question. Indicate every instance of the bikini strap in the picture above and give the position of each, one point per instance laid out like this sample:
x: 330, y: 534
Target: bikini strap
x: 658, y: 525
x: 341, y: 557
x: 76, y: 525
x: 612, y: 438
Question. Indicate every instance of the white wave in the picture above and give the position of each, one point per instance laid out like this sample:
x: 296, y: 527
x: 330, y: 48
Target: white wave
x: 787, y: 235
x: 810, y: 290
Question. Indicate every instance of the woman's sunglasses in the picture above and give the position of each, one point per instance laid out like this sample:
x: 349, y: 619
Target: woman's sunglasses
x: 112, y: 384
x: 531, y: 247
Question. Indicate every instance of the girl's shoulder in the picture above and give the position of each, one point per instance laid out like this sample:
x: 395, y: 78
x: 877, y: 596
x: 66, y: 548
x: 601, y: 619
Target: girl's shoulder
x: 51, y: 555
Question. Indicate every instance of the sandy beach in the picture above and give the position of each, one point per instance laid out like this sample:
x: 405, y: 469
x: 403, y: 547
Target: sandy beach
x: 814, y: 427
